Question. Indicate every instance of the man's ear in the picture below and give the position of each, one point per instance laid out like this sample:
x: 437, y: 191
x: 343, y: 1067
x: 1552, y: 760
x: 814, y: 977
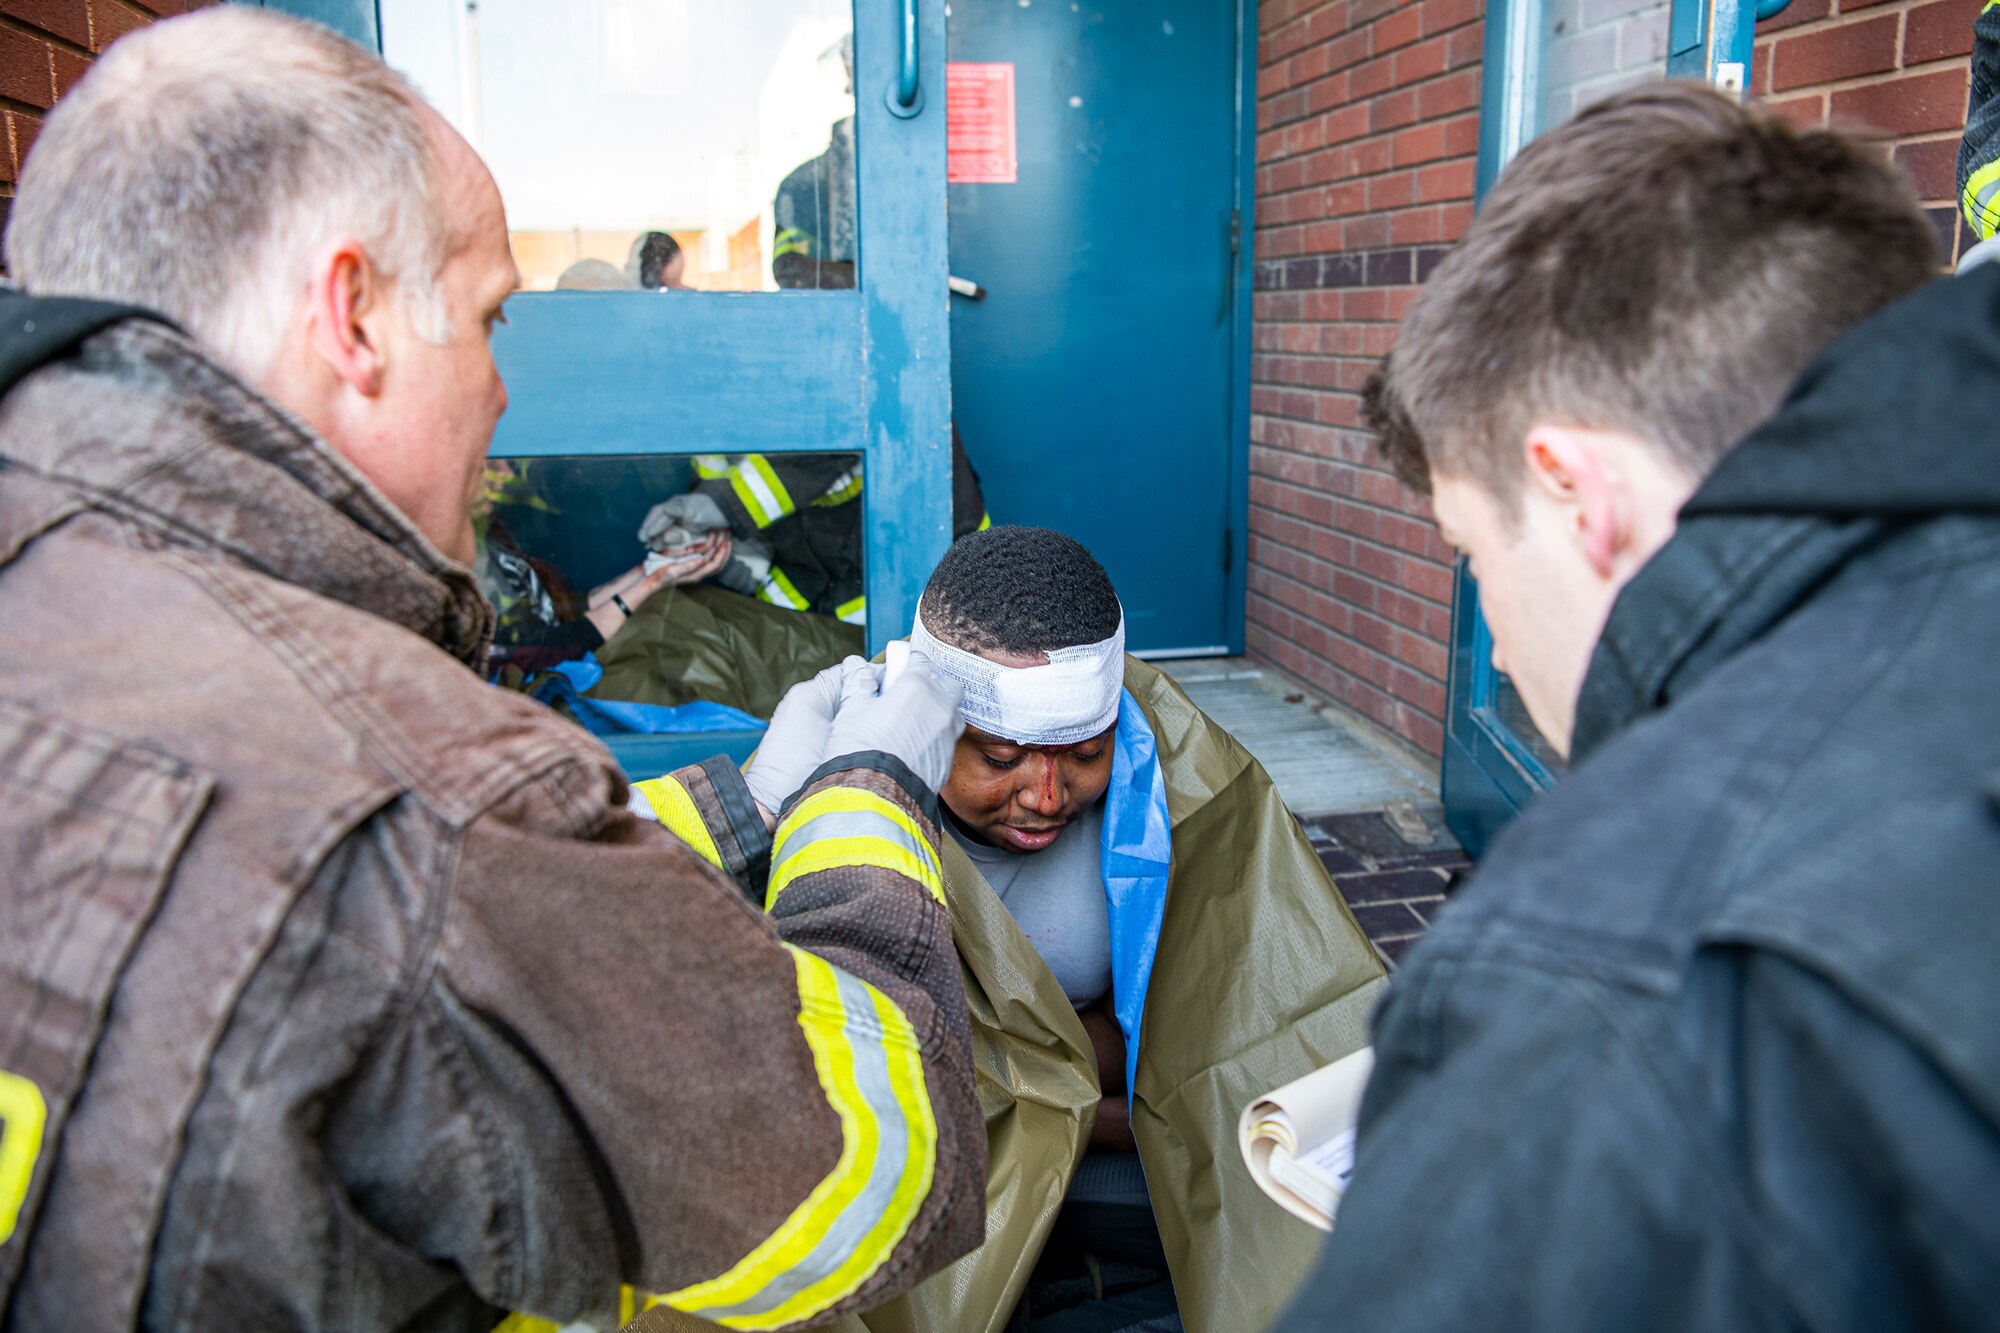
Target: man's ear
x: 1567, y: 466
x: 346, y: 304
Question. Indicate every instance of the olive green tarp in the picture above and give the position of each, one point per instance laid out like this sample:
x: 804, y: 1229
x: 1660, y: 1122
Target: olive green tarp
x: 704, y: 642
x: 1261, y: 975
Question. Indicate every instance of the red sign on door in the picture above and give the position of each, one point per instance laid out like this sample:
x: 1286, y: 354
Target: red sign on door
x: 979, y: 123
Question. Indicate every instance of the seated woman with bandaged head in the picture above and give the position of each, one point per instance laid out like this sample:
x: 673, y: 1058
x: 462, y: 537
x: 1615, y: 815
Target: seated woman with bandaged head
x: 1149, y: 942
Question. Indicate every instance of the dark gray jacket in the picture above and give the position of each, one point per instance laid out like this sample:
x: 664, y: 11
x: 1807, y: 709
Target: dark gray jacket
x: 1712, y: 1040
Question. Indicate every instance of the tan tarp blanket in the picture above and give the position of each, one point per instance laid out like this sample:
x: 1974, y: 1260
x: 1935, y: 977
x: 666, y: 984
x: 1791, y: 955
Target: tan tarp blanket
x: 1261, y: 975
x: 704, y: 642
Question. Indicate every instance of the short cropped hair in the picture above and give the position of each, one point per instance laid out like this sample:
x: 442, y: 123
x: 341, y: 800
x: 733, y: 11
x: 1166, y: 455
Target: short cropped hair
x: 1019, y: 590
x: 201, y: 163
x: 1664, y: 264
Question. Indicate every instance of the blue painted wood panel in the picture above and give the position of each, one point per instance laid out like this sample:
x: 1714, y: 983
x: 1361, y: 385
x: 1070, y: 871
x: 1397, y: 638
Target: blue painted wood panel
x: 708, y: 372
x: 356, y: 20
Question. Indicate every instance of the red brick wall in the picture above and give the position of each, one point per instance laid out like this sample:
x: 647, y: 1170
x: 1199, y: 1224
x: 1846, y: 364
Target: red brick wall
x: 1368, y: 133
x: 1896, y: 69
x: 1367, y: 116
x: 45, y: 46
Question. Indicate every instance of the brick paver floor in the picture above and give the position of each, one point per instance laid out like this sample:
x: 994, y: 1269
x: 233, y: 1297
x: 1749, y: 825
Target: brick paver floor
x: 1394, y: 868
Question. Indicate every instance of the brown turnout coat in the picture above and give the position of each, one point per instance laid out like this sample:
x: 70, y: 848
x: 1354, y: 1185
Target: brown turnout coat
x: 354, y: 995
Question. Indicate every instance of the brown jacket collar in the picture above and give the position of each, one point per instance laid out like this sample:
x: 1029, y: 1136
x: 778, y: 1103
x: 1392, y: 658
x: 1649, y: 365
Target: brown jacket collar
x: 143, y: 425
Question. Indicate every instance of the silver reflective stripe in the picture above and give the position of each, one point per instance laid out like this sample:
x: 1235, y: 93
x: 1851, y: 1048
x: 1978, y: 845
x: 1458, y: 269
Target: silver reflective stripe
x: 773, y: 509
x: 848, y: 824
x: 892, y: 1150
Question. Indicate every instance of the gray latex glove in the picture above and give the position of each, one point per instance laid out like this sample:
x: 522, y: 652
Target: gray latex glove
x: 915, y: 719
x: 674, y: 525
x: 795, y: 743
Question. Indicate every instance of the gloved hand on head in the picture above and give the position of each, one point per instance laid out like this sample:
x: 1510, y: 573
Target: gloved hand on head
x: 795, y: 743
x: 914, y: 717
x: 847, y: 709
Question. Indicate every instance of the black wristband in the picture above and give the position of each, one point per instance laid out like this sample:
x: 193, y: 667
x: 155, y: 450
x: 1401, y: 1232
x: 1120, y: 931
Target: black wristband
x: 619, y: 602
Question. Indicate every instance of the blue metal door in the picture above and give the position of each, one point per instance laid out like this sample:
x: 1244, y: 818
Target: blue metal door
x: 639, y: 376
x: 1100, y: 382
x: 1543, y: 60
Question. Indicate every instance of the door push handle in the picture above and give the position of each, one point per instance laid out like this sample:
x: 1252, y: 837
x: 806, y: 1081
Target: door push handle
x: 906, y: 96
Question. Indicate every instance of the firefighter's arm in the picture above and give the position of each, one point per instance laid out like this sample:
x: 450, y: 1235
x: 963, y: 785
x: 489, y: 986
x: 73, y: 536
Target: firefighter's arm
x: 617, y: 1074
x: 709, y: 807
x: 756, y: 490
x: 1979, y: 150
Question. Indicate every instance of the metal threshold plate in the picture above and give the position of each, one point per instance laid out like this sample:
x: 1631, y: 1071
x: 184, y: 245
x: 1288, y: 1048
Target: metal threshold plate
x: 1320, y: 766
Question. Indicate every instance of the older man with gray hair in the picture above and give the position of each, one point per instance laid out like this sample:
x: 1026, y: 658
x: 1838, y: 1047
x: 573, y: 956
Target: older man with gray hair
x: 338, y: 990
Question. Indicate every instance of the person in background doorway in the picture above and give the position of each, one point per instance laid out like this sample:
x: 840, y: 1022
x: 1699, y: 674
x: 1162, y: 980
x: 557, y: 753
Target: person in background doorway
x: 1709, y: 1040
x: 656, y: 263
x: 592, y: 275
x: 338, y: 989
x: 535, y: 626
x: 797, y: 521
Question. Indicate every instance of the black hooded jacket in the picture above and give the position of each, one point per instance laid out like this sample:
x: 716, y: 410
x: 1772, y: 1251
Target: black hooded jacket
x: 1712, y: 1041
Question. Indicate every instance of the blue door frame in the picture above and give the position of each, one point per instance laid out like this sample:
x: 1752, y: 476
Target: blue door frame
x: 864, y: 371
x: 1491, y: 766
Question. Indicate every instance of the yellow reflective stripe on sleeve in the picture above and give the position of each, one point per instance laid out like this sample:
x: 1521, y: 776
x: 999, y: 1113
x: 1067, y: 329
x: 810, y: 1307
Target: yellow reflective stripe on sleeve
x: 676, y: 809
x: 23, y: 1114
x: 870, y: 1068
x: 986, y: 519
x: 711, y: 467
x: 1981, y: 200
x: 758, y: 487
x: 854, y: 612
x: 845, y: 487
x: 846, y: 826
x: 791, y: 241
x: 781, y: 591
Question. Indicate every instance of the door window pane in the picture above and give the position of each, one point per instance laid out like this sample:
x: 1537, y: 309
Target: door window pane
x: 741, y: 574
x: 665, y: 144
x: 1593, y: 48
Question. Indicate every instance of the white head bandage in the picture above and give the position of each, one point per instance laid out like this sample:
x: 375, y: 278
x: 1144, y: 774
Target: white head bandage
x: 1071, y: 699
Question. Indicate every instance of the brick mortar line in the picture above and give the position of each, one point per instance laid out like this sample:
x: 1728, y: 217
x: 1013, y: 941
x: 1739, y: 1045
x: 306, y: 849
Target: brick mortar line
x: 1276, y: 126
x: 61, y: 43
x: 1359, y: 541
x: 1831, y: 22
x: 1302, y: 291
x: 1386, y: 656
x: 1383, y: 690
x: 1373, y: 97
x: 1369, y: 24
x: 1390, y: 621
x: 1373, y: 212
x: 1362, y: 467
x: 1349, y: 143
x: 1866, y: 81
x: 1359, y: 573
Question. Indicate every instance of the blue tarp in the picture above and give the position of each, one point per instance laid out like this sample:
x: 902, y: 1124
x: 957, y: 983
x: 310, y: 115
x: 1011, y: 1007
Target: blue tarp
x: 1138, y: 851
x: 608, y: 717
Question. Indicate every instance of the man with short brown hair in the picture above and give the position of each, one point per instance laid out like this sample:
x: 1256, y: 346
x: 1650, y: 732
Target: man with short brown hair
x: 1708, y: 1042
